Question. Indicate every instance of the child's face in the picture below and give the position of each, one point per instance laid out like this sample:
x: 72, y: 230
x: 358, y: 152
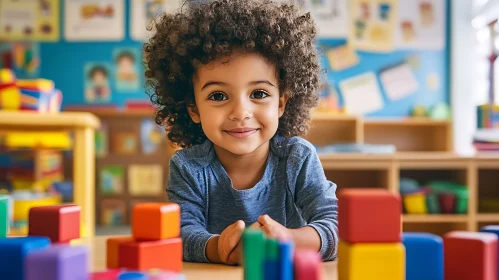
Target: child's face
x: 238, y: 102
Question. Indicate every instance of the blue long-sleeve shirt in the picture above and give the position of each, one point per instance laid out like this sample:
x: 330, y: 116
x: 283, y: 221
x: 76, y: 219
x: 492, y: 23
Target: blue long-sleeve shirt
x: 293, y: 191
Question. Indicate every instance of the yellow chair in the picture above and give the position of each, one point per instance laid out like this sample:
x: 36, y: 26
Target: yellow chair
x: 372, y: 261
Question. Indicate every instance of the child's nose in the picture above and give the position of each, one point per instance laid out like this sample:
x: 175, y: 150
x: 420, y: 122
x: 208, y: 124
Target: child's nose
x: 240, y: 111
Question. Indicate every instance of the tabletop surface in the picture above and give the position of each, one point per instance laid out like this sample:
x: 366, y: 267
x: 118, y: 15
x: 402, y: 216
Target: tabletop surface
x: 192, y: 271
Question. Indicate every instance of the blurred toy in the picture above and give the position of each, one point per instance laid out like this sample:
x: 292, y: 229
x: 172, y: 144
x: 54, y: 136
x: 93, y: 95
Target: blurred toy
x: 440, y: 111
x: 38, y: 95
x: 60, y: 223
x: 419, y: 111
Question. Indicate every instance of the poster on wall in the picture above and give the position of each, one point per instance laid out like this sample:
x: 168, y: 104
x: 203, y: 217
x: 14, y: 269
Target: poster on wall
x: 331, y: 16
x: 126, y: 64
x: 421, y: 24
x: 361, y: 94
x: 97, y: 89
x: 372, y: 25
x: 102, y: 20
x: 28, y: 20
x: 144, y: 12
x: 399, y: 81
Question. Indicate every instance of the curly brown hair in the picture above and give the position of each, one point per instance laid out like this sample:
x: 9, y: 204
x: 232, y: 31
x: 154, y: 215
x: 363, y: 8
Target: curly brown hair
x: 207, y: 31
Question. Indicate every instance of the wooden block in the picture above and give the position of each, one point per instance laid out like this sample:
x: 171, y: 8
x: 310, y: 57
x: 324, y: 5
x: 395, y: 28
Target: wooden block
x: 61, y: 262
x: 112, y: 252
x: 13, y: 252
x: 163, y: 254
x: 307, y: 265
x: 369, y: 215
x: 60, y: 223
x: 286, y: 253
x: 373, y: 261
x: 154, y: 221
x: 253, y: 254
x: 495, y: 230
x: 470, y: 256
x: 423, y: 250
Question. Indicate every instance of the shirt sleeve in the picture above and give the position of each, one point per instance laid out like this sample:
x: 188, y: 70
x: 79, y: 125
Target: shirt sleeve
x: 187, y: 194
x: 316, y: 197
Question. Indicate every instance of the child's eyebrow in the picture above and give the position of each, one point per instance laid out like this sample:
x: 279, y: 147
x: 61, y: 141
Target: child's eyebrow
x: 211, y: 83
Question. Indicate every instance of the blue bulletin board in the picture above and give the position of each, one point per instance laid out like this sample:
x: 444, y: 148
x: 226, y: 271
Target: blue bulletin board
x: 395, y: 48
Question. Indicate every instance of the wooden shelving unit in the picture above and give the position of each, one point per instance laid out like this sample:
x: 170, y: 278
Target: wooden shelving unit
x: 424, y: 151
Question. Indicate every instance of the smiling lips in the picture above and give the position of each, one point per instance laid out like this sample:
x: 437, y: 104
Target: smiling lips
x: 241, y: 133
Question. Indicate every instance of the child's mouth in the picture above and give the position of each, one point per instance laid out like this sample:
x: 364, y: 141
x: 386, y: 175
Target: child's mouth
x: 241, y: 133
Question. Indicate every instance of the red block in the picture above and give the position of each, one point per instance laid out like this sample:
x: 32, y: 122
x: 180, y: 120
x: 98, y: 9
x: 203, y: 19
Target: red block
x: 470, y: 256
x: 105, y: 275
x: 369, y: 215
x: 60, y: 223
x: 163, y: 254
x: 307, y: 265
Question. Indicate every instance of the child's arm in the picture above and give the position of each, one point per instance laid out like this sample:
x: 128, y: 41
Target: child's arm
x: 315, y: 195
x: 183, y: 190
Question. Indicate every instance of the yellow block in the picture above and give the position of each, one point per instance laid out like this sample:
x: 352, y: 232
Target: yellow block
x: 415, y: 203
x: 6, y: 76
x: 21, y: 207
x: 371, y: 261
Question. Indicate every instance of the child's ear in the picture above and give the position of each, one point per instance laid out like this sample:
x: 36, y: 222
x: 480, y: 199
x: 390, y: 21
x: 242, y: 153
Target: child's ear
x: 282, y: 104
x: 194, y: 113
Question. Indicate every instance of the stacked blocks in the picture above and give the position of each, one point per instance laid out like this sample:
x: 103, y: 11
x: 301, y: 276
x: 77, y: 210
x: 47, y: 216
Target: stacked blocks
x: 61, y: 223
x: 156, y: 231
x: 267, y: 259
x: 424, y: 256
x: 495, y: 230
x: 370, y: 235
x: 470, y: 256
x: 57, y: 263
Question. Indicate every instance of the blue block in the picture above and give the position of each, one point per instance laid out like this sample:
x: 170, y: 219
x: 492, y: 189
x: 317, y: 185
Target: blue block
x: 286, y: 251
x: 424, y: 256
x: 493, y: 229
x: 271, y: 270
x: 132, y: 275
x: 13, y: 251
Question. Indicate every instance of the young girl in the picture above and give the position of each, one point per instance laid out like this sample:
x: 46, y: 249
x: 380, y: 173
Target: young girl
x: 234, y: 82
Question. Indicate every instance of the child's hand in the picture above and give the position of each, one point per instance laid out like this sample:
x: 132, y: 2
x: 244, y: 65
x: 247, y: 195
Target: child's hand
x: 228, y: 241
x: 235, y: 256
x: 273, y: 229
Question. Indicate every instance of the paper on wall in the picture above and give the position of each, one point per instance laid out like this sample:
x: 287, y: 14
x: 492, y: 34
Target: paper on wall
x: 361, y: 94
x: 399, y: 81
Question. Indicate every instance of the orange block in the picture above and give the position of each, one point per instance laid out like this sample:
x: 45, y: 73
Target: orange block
x: 112, y: 252
x: 155, y: 221
x: 163, y: 254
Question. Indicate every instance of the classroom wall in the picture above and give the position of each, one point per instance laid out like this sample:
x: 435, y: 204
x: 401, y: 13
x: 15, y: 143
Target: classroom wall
x: 64, y: 62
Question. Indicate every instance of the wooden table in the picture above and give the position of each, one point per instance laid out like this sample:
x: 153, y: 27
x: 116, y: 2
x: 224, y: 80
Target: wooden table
x: 192, y: 271
x: 83, y: 125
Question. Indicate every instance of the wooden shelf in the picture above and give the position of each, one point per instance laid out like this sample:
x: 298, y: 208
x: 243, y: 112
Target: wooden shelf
x: 488, y: 217
x: 434, y: 218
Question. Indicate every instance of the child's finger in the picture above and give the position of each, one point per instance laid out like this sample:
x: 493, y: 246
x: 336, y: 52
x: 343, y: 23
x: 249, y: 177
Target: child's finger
x: 264, y: 219
x: 256, y: 225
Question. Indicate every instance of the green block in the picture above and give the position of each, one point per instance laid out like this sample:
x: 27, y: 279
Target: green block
x: 253, y: 253
x: 4, y: 215
x: 272, y: 249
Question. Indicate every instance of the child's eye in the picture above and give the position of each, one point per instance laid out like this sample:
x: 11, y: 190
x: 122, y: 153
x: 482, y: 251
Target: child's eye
x: 217, y: 96
x: 259, y: 94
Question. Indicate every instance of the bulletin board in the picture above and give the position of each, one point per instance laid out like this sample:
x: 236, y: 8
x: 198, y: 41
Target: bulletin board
x: 382, y: 57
